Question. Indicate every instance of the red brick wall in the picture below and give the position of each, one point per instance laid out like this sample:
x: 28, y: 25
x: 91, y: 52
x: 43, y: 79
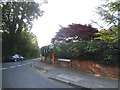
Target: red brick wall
x: 95, y: 68
x: 64, y: 64
x: 91, y: 67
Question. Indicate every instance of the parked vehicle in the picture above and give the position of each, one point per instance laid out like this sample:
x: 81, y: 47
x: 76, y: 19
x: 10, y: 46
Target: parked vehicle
x: 16, y: 57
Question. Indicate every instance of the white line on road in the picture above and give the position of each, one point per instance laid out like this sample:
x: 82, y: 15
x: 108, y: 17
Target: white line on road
x: 19, y: 65
x: 3, y: 68
x: 12, y: 66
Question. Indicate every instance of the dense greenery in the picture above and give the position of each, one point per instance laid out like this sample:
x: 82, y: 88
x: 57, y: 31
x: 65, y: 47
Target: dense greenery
x: 112, y: 34
x: 26, y: 46
x: 103, y: 52
x: 17, y: 20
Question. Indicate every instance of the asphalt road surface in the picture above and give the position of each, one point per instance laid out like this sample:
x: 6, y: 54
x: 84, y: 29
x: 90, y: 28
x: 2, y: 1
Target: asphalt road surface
x: 20, y: 75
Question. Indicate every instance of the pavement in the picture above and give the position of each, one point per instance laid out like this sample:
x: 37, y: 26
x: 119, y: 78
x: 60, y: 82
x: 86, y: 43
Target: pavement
x: 75, y: 78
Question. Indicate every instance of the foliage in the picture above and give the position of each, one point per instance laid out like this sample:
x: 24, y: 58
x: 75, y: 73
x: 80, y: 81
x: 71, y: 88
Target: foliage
x: 103, y: 52
x: 107, y: 35
x: 75, y: 32
x: 110, y: 12
x: 28, y: 42
x: 27, y: 45
x: 19, y: 15
x: 17, y: 19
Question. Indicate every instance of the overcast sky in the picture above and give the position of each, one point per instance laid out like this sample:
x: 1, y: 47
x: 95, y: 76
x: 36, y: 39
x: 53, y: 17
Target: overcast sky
x: 63, y: 12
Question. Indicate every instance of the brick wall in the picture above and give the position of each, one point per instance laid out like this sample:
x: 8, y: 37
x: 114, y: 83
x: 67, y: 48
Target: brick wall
x: 91, y: 67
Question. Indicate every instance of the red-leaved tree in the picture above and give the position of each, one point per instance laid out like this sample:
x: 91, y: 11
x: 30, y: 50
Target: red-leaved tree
x: 75, y: 32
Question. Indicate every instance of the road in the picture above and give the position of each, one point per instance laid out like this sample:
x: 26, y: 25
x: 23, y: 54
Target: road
x: 20, y: 75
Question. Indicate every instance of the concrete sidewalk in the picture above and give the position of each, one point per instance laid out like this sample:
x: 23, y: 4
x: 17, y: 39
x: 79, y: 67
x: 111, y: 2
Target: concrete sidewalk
x: 74, y: 77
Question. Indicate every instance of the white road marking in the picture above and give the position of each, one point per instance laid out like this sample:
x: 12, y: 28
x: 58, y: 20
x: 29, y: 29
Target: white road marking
x: 12, y: 66
x: 19, y: 65
x: 3, y: 68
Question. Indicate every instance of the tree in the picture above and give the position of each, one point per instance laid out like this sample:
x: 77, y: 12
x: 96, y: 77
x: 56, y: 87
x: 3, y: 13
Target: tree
x: 28, y: 45
x: 75, y: 32
x: 16, y: 18
x: 18, y: 15
x: 110, y: 14
x: 108, y: 35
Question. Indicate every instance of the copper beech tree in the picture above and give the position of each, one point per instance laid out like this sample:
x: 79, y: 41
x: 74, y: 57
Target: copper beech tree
x: 75, y: 32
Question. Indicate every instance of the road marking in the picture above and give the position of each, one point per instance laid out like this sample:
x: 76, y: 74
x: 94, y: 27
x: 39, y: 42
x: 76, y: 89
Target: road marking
x: 12, y: 66
x: 3, y: 68
x: 19, y: 65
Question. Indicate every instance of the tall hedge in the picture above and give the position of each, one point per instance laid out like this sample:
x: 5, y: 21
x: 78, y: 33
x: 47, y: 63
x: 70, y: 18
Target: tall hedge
x: 103, y: 52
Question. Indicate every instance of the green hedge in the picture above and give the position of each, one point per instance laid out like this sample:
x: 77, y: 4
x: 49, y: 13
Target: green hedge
x: 103, y: 52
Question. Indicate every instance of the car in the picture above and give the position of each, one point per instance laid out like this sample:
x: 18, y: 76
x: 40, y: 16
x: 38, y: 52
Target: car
x: 16, y: 57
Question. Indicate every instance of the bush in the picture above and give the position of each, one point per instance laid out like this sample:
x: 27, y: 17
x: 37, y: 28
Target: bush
x: 103, y: 52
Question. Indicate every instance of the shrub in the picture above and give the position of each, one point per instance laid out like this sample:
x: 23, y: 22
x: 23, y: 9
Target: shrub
x: 103, y: 52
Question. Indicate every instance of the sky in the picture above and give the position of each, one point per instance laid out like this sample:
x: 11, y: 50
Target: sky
x: 63, y: 12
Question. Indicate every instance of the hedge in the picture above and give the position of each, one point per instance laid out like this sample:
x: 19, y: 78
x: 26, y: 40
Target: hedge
x: 103, y: 52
